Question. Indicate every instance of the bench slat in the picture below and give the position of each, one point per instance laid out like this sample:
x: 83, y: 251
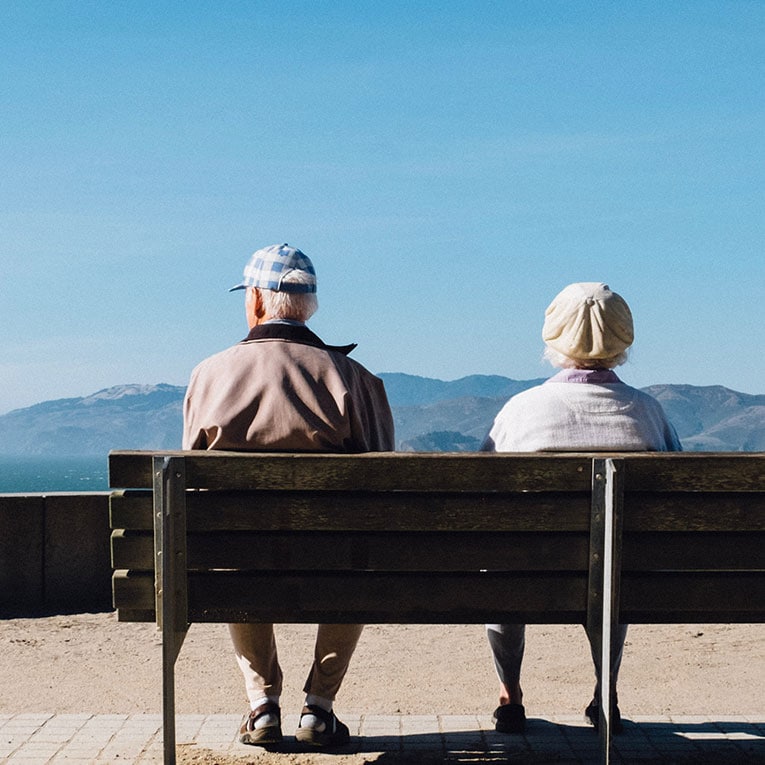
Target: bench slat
x: 269, y: 510
x: 131, y: 509
x: 390, y: 598
x: 690, y: 551
x: 136, y: 615
x: 539, y: 471
x: 688, y: 511
x: 373, y: 471
x: 375, y: 598
x: 363, y: 511
x: 693, y: 597
x: 695, y: 472
x: 445, y: 551
x: 403, y: 551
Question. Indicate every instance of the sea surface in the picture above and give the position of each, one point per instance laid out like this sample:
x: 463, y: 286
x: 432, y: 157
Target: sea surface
x: 48, y: 474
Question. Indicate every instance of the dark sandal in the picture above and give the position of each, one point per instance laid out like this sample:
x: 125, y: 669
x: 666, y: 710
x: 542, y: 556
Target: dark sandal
x: 334, y: 734
x: 510, y: 718
x: 268, y: 734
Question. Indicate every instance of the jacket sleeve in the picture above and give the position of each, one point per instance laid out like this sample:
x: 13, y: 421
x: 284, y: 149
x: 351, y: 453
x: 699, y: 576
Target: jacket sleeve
x: 382, y: 436
x: 373, y: 421
x: 671, y: 438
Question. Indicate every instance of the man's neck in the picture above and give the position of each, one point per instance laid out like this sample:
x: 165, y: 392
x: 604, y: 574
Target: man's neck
x: 288, y: 322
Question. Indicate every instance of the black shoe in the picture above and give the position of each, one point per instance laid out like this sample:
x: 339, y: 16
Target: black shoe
x: 334, y: 734
x: 592, y: 715
x: 268, y: 734
x: 510, y: 718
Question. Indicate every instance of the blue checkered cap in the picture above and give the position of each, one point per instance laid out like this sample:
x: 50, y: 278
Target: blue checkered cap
x: 267, y: 268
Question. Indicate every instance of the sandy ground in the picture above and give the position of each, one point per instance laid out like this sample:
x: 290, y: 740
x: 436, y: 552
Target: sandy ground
x: 92, y: 663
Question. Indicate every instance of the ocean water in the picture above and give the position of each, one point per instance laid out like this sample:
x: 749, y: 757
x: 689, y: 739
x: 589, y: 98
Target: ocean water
x: 39, y: 474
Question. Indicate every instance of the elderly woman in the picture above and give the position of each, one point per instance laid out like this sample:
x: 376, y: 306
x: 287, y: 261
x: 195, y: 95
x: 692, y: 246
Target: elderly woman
x: 584, y: 407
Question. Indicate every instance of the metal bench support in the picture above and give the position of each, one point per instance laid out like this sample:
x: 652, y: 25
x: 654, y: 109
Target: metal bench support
x: 171, y: 586
x: 604, y: 580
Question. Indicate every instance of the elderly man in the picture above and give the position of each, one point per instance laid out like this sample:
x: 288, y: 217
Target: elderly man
x: 585, y: 407
x: 283, y: 389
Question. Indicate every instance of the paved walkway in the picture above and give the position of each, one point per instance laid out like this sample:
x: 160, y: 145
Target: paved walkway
x: 43, y: 739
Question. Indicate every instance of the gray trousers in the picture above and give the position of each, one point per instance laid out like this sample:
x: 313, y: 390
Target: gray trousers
x: 507, y: 642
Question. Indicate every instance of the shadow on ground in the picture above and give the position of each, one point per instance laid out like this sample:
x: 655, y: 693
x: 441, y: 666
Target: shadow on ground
x: 722, y: 743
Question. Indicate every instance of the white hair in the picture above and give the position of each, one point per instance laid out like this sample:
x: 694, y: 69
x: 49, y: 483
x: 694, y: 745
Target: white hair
x: 558, y: 359
x: 299, y: 306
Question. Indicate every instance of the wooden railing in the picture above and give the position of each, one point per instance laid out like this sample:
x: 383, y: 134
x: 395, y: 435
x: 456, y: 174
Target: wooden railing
x: 54, y: 553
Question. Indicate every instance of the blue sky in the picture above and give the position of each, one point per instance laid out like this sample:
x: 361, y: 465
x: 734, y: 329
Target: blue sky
x: 448, y: 166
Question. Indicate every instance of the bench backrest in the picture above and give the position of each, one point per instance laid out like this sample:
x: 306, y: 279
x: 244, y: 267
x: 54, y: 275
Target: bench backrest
x: 441, y: 538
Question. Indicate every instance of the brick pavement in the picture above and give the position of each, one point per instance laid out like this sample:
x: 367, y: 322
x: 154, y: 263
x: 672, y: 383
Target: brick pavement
x: 89, y: 739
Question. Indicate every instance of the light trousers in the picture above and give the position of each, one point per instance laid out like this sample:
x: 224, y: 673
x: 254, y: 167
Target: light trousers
x: 256, y: 655
x: 507, y: 643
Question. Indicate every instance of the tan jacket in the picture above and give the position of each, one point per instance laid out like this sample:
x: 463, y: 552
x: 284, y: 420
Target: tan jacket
x: 282, y: 389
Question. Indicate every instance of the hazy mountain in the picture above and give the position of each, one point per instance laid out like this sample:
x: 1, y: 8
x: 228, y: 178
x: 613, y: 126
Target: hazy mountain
x: 713, y: 418
x: 441, y: 441
x: 410, y: 390
x: 125, y: 416
x: 469, y: 416
x: 430, y: 415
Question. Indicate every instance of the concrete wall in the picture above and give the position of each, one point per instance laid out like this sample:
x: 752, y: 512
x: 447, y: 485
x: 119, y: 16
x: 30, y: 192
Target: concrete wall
x: 54, y: 553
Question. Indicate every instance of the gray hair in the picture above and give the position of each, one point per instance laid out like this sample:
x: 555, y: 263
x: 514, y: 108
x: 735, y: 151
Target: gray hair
x: 299, y: 306
x: 558, y: 359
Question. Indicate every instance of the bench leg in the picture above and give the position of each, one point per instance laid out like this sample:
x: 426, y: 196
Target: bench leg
x: 171, y: 646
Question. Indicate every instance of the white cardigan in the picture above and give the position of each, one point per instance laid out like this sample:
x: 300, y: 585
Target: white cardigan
x: 581, y: 416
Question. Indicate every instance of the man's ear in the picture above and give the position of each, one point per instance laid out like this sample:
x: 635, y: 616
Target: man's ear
x: 253, y: 306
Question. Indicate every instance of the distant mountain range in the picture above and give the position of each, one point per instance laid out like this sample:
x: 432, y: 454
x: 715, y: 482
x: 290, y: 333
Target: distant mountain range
x: 430, y: 415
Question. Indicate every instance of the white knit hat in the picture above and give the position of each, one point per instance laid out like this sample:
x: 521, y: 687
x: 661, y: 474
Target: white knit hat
x: 588, y: 321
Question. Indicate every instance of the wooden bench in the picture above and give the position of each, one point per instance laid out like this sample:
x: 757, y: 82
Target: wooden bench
x: 400, y: 538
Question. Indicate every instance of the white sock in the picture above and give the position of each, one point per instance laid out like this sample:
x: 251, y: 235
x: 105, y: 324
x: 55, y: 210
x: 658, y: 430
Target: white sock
x: 312, y: 721
x: 267, y: 719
